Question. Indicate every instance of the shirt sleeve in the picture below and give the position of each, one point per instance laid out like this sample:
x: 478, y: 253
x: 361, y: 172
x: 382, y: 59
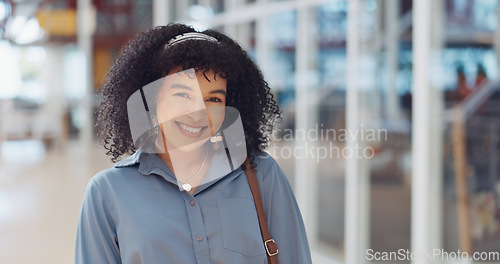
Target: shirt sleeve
x: 284, y: 219
x: 96, y: 240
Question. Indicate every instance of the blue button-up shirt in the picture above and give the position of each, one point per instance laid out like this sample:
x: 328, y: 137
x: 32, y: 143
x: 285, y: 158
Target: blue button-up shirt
x: 135, y: 213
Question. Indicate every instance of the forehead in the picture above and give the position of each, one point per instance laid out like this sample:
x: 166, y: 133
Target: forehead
x: 203, y: 79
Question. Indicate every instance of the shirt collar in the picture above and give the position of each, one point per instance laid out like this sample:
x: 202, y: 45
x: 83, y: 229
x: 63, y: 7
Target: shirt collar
x: 150, y: 163
x: 130, y: 161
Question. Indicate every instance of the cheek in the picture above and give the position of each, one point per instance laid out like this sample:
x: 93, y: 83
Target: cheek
x: 217, y: 115
x: 168, y: 109
x: 219, y: 119
x: 165, y: 112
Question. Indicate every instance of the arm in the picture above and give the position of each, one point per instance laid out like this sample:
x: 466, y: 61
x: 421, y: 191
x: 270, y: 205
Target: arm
x: 96, y: 240
x: 284, y: 218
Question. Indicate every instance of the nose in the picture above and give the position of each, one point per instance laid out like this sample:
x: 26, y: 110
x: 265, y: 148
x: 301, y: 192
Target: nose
x: 199, y: 116
x: 196, y: 108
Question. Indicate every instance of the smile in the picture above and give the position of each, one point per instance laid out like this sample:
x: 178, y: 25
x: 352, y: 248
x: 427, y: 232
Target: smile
x: 191, y: 131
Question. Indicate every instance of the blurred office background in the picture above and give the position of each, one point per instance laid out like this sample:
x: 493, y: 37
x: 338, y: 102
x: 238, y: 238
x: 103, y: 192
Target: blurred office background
x: 424, y: 73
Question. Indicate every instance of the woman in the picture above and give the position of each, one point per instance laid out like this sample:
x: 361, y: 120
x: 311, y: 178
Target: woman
x: 190, y: 107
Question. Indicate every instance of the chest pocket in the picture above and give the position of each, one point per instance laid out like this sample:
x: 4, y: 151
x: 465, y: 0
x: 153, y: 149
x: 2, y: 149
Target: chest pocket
x: 240, y: 226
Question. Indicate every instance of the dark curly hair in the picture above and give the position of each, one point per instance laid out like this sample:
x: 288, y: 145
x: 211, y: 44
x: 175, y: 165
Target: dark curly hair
x: 144, y: 60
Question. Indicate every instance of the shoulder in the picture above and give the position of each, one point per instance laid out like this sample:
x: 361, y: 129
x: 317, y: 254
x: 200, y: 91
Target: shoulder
x: 122, y: 169
x: 265, y: 165
x: 115, y: 178
x: 111, y: 186
x: 107, y: 176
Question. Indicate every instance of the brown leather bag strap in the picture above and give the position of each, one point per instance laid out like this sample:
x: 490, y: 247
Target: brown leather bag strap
x: 269, y: 243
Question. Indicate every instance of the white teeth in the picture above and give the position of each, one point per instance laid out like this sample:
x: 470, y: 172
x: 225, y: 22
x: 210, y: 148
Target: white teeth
x: 190, y: 129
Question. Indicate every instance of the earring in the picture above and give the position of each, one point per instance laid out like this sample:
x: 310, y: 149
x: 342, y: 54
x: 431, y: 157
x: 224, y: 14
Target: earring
x: 215, y: 140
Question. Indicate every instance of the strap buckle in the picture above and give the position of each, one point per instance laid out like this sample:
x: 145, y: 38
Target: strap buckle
x: 267, y: 247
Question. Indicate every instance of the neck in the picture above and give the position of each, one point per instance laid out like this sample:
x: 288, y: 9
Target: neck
x: 189, y: 168
x: 183, y: 159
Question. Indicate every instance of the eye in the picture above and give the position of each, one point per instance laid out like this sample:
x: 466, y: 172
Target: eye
x: 214, y: 100
x: 183, y: 95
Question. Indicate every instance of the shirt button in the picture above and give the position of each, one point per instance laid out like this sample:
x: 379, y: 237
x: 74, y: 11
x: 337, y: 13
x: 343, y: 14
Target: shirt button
x: 199, y: 238
x: 192, y: 202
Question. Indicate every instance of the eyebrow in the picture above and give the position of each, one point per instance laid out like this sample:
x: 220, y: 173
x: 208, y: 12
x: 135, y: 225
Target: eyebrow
x: 181, y: 86
x: 185, y: 87
x: 220, y: 91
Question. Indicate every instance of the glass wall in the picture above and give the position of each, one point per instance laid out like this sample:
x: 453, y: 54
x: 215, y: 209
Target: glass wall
x: 281, y: 73
x: 384, y: 119
x: 329, y: 56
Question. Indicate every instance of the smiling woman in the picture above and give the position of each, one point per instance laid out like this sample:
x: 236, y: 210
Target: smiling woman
x: 190, y: 107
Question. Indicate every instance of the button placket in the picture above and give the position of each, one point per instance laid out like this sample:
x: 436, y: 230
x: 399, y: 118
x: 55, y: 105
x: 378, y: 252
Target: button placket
x: 197, y: 226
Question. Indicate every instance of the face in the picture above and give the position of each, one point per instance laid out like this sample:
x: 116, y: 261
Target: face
x: 190, y: 108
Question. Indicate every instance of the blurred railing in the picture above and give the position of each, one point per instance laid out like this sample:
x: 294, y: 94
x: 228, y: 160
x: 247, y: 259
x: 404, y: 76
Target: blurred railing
x: 474, y: 121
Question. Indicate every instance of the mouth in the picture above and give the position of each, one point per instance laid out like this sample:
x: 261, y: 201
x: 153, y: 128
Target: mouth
x: 190, y: 131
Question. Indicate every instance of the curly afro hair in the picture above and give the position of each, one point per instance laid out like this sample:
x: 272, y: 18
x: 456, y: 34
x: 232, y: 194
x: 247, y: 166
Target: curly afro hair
x: 144, y: 60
